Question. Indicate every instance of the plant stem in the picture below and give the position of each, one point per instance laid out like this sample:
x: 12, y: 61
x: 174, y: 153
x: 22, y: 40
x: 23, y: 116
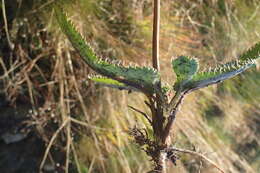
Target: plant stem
x: 156, y: 34
x: 11, y: 45
x: 157, y: 111
x: 199, y: 155
x: 157, y: 119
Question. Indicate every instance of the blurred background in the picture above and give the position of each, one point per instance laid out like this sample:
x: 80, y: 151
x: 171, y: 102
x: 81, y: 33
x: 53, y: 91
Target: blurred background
x: 43, y: 85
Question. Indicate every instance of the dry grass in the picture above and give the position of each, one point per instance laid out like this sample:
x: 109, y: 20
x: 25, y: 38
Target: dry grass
x: 91, y: 123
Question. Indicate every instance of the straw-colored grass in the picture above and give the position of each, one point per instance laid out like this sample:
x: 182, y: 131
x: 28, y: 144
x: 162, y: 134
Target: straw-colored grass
x: 219, y: 121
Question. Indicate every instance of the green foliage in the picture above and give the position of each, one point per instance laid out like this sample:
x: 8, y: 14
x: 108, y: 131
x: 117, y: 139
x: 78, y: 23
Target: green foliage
x: 147, y: 79
x: 186, y: 73
x: 83, y: 169
x: 110, y: 83
x: 220, y: 73
x: 184, y: 68
x: 252, y: 53
x: 141, y: 78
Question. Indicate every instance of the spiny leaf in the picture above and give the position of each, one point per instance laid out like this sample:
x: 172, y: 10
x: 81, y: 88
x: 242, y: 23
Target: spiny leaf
x: 142, y: 78
x: 110, y: 83
x: 252, y: 53
x: 224, y: 71
x: 104, y: 80
x: 75, y: 37
x: 185, y: 67
x: 219, y: 74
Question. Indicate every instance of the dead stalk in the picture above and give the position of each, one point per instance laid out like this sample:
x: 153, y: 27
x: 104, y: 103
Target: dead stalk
x: 75, y: 157
x: 156, y: 34
x: 199, y: 155
x: 52, y: 142
x: 11, y: 45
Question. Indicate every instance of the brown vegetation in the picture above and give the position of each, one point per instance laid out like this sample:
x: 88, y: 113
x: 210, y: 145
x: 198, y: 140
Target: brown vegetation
x: 89, y: 124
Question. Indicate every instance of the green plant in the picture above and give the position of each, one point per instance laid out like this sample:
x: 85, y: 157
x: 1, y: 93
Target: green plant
x: 147, y: 80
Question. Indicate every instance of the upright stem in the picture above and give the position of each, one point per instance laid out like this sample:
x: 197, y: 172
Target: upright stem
x: 157, y: 117
x: 156, y: 34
